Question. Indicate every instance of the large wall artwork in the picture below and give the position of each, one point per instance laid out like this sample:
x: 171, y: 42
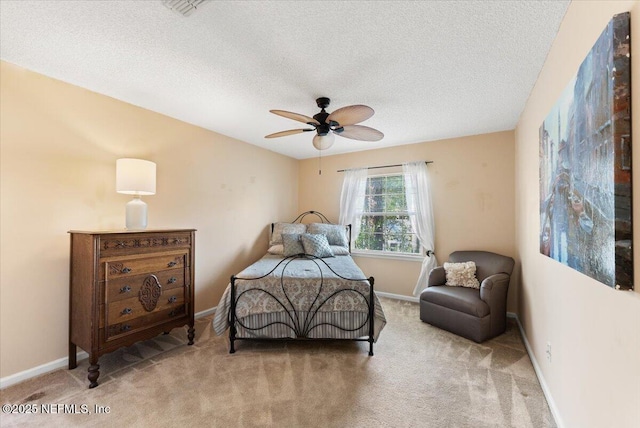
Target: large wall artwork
x: 585, y: 165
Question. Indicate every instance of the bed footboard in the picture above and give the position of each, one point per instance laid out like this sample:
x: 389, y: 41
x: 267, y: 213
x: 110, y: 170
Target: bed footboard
x: 307, y: 320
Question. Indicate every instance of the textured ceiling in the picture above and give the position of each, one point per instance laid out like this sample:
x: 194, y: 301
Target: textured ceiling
x: 430, y: 70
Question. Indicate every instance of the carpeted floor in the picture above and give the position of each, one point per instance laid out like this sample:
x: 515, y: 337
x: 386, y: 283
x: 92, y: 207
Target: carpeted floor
x: 420, y: 376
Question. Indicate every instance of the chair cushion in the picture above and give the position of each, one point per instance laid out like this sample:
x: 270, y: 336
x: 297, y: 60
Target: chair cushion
x: 459, y: 299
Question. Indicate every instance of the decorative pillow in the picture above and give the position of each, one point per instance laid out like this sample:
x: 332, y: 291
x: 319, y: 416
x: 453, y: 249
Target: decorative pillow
x: 316, y: 245
x: 276, y: 249
x: 280, y: 228
x: 339, y: 251
x: 336, y: 233
x: 291, y: 244
x: 461, y: 274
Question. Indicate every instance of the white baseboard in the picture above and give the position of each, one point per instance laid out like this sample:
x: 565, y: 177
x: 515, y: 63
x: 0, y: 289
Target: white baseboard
x: 536, y: 367
x: 40, y: 370
x: 63, y: 362
x: 398, y: 296
x: 205, y: 313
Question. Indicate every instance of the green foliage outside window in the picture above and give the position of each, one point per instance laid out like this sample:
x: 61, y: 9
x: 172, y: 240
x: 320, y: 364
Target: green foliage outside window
x: 385, y: 224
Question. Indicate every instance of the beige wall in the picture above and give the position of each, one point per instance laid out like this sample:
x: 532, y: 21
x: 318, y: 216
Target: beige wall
x: 594, y: 374
x: 59, y: 145
x: 472, y: 180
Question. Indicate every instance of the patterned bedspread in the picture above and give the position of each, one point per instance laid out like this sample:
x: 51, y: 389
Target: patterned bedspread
x: 300, y: 298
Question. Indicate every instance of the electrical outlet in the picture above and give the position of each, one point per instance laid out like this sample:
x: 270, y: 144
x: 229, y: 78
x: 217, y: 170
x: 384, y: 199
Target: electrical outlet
x: 549, y: 351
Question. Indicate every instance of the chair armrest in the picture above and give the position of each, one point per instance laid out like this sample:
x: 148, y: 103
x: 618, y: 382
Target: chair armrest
x: 493, y: 289
x: 437, y: 276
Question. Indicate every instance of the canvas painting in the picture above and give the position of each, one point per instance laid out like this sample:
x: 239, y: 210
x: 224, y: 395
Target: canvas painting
x: 585, y: 165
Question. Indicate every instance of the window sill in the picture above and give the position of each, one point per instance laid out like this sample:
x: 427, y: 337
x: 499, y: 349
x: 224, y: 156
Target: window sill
x: 390, y: 256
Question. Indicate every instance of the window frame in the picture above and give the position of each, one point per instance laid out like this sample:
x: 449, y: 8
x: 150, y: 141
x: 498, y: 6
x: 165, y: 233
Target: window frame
x: 383, y: 254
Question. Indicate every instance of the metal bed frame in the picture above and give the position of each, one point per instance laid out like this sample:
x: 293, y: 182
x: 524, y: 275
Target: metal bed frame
x: 302, y: 325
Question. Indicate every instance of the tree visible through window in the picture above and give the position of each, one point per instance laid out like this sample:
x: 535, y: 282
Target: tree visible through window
x: 386, y: 224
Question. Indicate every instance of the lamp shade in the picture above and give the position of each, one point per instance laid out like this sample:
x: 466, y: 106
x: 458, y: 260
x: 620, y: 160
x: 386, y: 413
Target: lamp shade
x: 135, y: 177
x: 323, y: 142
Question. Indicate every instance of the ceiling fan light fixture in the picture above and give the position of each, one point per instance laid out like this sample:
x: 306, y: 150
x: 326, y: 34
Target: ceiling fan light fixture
x: 341, y: 122
x: 323, y: 142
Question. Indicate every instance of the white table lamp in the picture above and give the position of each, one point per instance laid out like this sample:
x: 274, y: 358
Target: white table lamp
x: 136, y: 177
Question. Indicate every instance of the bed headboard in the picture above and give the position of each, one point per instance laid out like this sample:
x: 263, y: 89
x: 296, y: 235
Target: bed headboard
x: 323, y: 219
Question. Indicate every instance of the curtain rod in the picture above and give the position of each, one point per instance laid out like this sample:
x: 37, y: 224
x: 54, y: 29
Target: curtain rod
x: 376, y: 167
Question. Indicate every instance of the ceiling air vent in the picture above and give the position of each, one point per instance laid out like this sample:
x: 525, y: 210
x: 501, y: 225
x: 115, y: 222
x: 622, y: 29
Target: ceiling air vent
x: 184, y: 7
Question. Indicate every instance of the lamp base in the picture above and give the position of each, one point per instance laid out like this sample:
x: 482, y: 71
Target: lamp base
x: 136, y: 214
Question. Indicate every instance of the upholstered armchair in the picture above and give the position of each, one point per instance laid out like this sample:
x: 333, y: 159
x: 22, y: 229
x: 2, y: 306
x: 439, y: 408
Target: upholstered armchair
x: 477, y: 314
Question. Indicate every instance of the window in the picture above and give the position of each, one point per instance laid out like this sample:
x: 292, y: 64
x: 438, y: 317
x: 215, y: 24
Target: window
x: 386, y: 225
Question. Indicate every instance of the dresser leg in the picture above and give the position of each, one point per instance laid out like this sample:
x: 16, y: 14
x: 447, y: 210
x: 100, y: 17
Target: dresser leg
x: 73, y: 363
x: 94, y: 372
x: 191, y: 334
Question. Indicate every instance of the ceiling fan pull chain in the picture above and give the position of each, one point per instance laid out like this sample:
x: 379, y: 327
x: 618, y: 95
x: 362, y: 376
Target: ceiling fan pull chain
x: 319, y: 162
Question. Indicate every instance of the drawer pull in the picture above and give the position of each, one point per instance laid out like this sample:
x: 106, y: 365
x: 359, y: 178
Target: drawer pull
x: 126, y: 311
x: 172, y: 313
x: 125, y: 327
x: 172, y: 264
x: 172, y: 279
x: 126, y: 270
x: 125, y: 289
x: 173, y: 299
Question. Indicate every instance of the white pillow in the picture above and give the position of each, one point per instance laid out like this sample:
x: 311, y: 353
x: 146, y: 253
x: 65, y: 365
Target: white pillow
x: 277, y: 249
x: 461, y: 274
x: 339, y: 250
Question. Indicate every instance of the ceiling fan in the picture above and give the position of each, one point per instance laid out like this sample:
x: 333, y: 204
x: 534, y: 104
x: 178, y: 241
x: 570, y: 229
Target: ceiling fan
x: 341, y: 122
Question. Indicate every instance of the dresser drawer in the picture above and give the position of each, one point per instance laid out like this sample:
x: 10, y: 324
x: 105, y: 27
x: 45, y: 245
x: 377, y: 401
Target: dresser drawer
x: 132, y: 266
x: 136, y: 243
x: 131, y: 308
x: 120, y: 329
x: 129, y: 286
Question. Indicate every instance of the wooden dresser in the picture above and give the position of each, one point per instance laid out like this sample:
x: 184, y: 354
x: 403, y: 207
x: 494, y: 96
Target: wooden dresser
x: 127, y: 286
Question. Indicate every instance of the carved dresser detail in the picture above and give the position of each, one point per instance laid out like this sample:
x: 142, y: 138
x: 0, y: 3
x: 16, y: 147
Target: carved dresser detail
x: 127, y: 286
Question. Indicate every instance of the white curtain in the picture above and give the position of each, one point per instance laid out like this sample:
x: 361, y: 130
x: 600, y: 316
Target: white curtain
x: 416, y: 181
x: 352, y: 199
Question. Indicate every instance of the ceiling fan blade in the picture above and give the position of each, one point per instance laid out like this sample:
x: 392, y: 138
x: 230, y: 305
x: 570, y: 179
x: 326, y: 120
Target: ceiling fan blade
x: 359, y: 132
x: 295, y: 116
x: 289, y: 132
x: 350, y: 115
